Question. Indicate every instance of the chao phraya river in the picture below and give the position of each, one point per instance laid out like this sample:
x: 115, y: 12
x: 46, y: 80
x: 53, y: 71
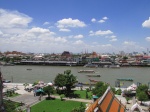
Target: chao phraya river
x: 20, y: 74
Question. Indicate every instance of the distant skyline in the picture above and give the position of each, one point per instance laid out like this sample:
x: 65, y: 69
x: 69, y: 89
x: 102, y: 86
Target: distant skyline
x: 54, y: 26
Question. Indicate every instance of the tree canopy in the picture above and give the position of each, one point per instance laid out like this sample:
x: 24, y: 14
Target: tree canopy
x: 60, y: 80
x: 48, y: 90
x: 67, y: 79
x: 141, y: 92
x: 99, y: 89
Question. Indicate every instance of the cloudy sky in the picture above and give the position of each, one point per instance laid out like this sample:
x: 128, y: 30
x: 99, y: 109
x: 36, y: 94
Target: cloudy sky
x: 54, y: 26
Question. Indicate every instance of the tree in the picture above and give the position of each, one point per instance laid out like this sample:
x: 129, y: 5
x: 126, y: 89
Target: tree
x: 127, y: 98
x: 60, y: 80
x: 48, y: 90
x: 67, y: 79
x: 70, y: 80
x: 140, y: 88
x: 142, y: 96
x: 79, y: 109
x: 125, y: 58
x: 141, y: 92
x: 99, y: 89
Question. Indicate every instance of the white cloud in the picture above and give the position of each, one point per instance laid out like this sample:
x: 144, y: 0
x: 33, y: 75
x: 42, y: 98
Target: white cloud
x: 60, y: 39
x: 113, y: 36
x: 105, y: 18
x: 106, y: 45
x: 100, y: 33
x: 46, y: 23
x: 13, y: 19
x: 93, y: 20
x: 66, y: 23
x: 147, y: 39
x: 79, y: 42
x: 64, y: 30
x: 129, y: 43
x: 78, y: 36
x: 113, y: 39
x: 38, y: 30
x: 146, y: 23
x: 101, y: 21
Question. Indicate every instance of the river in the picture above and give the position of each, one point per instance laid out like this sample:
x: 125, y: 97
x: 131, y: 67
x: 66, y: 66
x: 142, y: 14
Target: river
x: 20, y: 74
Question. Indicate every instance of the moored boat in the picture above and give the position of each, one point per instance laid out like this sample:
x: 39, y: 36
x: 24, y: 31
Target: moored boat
x: 91, y: 65
x: 29, y: 69
x: 114, y: 66
x: 86, y: 71
x: 125, y: 79
x: 93, y: 75
x: 91, y: 80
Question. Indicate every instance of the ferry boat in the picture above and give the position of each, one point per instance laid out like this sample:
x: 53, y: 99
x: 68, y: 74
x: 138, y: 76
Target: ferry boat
x: 86, y: 71
x: 91, y: 80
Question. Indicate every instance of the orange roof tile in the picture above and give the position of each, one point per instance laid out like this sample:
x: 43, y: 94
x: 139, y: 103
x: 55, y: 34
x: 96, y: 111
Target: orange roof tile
x: 107, y: 103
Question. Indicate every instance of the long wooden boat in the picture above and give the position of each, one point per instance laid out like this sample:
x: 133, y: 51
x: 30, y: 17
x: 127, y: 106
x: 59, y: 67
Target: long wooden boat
x: 86, y: 71
x: 125, y: 79
x: 29, y: 69
x: 91, y: 80
x: 93, y: 75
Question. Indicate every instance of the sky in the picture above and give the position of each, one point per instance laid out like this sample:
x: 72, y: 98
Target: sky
x: 77, y: 26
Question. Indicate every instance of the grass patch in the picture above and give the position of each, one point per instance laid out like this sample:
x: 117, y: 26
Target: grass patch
x: 82, y: 94
x: 14, y: 95
x: 55, y: 106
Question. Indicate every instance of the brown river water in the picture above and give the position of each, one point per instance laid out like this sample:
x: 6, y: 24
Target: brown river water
x: 20, y: 74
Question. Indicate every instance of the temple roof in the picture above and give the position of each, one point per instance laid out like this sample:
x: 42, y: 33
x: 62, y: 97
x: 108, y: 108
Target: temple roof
x: 107, y: 103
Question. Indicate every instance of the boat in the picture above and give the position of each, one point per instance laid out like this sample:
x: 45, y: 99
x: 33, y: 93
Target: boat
x: 91, y: 80
x: 8, y: 64
x: 91, y: 65
x: 93, y: 75
x: 114, y: 66
x: 29, y: 69
x: 6, y: 81
x: 125, y: 79
x: 86, y: 71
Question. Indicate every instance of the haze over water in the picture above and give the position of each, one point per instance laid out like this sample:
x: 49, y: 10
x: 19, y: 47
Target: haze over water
x: 20, y: 74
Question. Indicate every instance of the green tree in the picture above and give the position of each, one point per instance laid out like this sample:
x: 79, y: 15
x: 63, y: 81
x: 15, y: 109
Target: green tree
x: 141, y: 92
x: 81, y: 108
x: 70, y: 80
x: 142, y: 96
x: 118, y: 92
x: 127, y: 98
x: 99, y: 89
x: 67, y: 79
x: 48, y: 90
x: 60, y: 80
x: 125, y: 58
x: 140, y: 88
